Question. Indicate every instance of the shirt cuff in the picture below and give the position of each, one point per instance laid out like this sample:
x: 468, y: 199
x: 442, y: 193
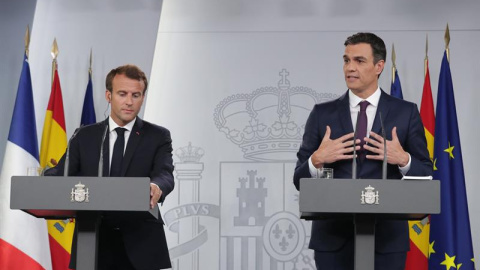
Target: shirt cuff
x: 404, y: 170
x: 314, y: 172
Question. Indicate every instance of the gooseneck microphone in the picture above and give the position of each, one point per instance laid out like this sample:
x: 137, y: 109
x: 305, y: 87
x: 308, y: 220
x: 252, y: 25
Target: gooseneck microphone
x: 384, y: 165
x: 354, y: 161
x: 67, y: 155
x: 100, y: 162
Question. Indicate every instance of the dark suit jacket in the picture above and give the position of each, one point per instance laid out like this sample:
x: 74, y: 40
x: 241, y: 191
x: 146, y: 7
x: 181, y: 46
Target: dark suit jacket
x: 148, y: 154
x: 391, y: 236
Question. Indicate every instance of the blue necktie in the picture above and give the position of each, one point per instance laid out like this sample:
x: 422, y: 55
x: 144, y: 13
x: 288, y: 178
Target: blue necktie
x: 117, y: 156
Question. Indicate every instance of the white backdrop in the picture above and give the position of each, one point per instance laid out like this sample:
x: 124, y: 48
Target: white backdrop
x: 219, y: 65
x: 207, y: 54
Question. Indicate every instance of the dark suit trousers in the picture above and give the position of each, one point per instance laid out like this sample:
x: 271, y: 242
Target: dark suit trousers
x: 343, y: 259
x: 112, y: 254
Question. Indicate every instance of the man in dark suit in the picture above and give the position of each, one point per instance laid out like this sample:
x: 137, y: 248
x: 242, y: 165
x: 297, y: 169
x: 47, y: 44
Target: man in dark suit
x: 328, y: 143
x: 141, y: 149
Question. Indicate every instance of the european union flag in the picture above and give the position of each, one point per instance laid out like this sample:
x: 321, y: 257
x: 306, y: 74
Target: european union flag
x: 450, y: 236
x: 88, y: 111
x: 396, y: 88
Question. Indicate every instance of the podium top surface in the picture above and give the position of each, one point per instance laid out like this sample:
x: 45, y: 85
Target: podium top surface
x: 49, y: 196
x: 390, y: 198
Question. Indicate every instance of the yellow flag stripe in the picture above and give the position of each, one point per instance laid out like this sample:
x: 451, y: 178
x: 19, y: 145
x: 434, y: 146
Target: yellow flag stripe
x: 430, y: 139
x: 54, y: 141
x: 419, y: 235
x: 62, y: 231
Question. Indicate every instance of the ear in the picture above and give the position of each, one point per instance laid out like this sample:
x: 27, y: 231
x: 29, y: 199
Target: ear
x: 379, y: 66
x: 108, y: 96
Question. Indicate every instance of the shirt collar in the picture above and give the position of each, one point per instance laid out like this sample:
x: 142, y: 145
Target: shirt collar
x: 112, y: 125
x: 373, y: 99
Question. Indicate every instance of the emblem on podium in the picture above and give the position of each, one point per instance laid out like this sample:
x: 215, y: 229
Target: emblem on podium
x: 369, y: 196
x: 79, y: 193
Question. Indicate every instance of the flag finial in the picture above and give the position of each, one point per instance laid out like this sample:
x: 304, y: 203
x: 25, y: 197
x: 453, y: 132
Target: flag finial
x: 394, y: 56
x: 426, y: 46
x: 54, y: 51
x: 447, y: 42
x: 426, y: 56
x: 90, y: 67
x: 27, y: 40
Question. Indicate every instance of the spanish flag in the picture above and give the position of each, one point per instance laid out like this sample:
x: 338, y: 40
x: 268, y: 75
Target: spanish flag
x: 417, y: 257
x: 54, y: 144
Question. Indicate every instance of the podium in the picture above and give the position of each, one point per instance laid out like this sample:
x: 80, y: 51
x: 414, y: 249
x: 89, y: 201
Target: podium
x: 364, y: 201
x: 88, y: 200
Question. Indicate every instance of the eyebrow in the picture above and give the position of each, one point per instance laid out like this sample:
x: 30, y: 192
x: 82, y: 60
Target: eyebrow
x: 355, y: 57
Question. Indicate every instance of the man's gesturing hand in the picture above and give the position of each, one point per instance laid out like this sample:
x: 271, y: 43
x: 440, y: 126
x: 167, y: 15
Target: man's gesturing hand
x: 155, y: 193
x: 395, y: 153
x: 330, y: 150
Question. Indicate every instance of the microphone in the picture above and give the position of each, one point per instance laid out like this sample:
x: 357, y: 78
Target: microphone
x: 67, y: 155
x: 384, y: 165
x: 100, y: 162
x: 354, y: 161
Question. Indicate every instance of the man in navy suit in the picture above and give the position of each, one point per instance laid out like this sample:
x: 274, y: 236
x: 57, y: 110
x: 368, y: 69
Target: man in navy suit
x: 147, y: 152
x: 328, y: 143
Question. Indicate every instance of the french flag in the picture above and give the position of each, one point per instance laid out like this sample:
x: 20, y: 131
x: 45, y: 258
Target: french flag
x: 23, y: 238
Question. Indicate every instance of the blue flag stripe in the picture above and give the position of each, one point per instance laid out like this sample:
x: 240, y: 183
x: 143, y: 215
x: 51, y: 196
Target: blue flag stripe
x: 23, y: 129
x: 88, y: 111
x: 396, y: 88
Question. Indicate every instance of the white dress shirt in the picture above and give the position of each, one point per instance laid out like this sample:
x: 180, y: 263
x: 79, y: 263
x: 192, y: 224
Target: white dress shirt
x: 354, y: 101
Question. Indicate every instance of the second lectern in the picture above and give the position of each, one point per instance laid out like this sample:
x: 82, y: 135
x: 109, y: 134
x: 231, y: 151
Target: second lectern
x: 366, y: 201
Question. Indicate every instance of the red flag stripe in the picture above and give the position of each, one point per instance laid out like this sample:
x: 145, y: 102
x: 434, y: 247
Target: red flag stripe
x: 60, y: 257
x: 16, y: 258
x: 427, y: 109
x: 55, y: 104
x: 416, y: 259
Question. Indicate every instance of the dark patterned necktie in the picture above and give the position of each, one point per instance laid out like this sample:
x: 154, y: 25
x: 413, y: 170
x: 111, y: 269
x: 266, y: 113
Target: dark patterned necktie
x: 117, y: 156
x: 362, y: 128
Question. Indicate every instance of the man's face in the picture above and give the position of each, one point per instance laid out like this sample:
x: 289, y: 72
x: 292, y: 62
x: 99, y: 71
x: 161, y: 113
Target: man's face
x: 126, y: 98
x: 361, y: 74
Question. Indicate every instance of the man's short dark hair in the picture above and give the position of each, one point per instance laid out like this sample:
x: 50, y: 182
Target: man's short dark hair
x: 377, y: 44
x: 131, y: 71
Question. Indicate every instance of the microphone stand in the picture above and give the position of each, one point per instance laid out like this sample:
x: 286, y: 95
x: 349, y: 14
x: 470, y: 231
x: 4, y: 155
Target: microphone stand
x: 384, y: 165
x: 354, y: 161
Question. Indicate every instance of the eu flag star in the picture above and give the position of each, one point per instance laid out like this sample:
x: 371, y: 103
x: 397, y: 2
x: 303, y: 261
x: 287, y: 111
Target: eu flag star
x: 449, y: 262
x: 435, y: 165
x: 449, y: 150
x: 430, y: 249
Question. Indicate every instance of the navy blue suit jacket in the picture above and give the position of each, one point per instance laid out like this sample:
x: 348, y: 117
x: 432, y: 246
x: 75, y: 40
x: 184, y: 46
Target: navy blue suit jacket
x: 148, y: 154
x: 391, y: 236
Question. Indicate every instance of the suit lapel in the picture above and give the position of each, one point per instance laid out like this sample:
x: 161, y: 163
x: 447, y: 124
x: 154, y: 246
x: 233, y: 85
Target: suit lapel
x: 106, y: 150
x: 344, y: 113
x: 133, y: 140
x: 383, y: 108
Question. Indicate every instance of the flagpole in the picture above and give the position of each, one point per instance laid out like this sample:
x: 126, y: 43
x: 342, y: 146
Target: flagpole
x: 393, y: 63
x: 54, y: 54
x: 447, y: 42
